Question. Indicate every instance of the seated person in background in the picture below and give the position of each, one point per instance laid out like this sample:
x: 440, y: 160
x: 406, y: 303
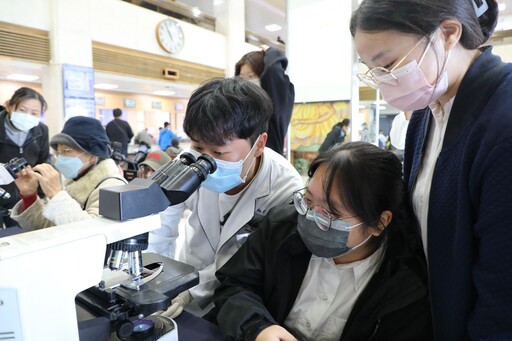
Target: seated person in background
x: 167, y: 234
x: 143, y: 138
x: 343, y: 264
x: 226, y: 119
x: 83, y: 158
x: 174, y: 149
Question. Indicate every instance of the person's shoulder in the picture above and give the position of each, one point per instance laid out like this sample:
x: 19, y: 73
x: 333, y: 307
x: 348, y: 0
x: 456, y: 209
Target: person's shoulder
x: 277, y: 159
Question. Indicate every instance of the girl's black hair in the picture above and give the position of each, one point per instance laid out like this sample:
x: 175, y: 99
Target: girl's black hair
x: 368, y: 181
x: 422, y: 18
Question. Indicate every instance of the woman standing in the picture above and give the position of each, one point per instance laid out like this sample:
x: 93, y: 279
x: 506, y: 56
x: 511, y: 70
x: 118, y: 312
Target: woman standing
x: 267, y: 69
x: 426, y: 55
x: 22, y: 134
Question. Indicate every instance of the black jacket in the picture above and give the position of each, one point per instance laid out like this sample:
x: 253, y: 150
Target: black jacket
x: 119, y: 131
x: 35, y: 150
x: 282, y: 92
x: 470, y: 205
x: 260, y: 283
x: 335, y: 136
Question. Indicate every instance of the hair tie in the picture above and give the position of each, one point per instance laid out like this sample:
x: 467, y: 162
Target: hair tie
x: 480, y: 6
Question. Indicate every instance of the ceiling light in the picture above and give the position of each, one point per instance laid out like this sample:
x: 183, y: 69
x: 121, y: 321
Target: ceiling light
x: 502, y: 6
x: 164, y: 93
x: 273, y: 27
x: 22, y: 77
x: 106, y: 86
x: 196, y: 11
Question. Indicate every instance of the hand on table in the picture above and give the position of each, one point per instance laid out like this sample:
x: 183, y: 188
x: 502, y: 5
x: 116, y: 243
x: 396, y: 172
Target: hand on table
x: 177, y: 305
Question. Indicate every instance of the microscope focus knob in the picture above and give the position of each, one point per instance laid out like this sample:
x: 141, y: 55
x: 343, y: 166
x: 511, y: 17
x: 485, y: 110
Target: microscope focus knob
x: 124, y: 329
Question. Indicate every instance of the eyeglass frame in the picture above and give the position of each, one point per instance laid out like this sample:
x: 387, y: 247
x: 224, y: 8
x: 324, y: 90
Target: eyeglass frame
x: 368, y: 77
x: 328, y: 215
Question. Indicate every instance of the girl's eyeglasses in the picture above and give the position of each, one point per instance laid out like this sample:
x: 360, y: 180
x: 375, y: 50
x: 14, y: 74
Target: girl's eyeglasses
x: 323, y: 219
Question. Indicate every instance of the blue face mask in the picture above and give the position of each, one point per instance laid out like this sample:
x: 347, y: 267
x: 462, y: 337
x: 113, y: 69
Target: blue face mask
x: 227, y: 175
x: 68, y: 166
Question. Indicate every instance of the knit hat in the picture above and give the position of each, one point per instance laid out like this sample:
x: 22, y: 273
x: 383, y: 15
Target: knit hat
x: 86, y: 134
x: 156, y: 159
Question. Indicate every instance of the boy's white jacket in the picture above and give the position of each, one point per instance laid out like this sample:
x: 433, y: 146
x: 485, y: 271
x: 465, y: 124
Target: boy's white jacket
x: 207, y: 247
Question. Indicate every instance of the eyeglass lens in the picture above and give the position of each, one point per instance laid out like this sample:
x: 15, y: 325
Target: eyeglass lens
x: 321, y: 217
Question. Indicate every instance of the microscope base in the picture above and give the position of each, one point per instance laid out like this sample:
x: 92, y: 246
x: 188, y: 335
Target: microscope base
x: 104, y: 314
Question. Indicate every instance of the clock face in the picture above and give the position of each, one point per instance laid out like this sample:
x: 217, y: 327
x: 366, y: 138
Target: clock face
x: 170, y: 35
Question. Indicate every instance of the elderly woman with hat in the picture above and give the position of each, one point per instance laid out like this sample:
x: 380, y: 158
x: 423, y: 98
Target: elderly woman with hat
x: 83, y: 158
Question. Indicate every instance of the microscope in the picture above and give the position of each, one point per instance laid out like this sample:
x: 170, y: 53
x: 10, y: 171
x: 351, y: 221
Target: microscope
x: 7, y: 175
x: 90, y: 280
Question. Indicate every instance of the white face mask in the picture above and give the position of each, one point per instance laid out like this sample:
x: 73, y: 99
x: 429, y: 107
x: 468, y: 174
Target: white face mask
x: 23, y: 121
x: 255, y: 81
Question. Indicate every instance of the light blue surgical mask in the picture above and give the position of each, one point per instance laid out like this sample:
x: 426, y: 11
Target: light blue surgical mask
x: 24, y: 121
x: 68, y: 166
x: 228, y: 173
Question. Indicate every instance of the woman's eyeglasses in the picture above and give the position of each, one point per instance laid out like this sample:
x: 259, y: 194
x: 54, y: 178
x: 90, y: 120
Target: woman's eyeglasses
x: 323, y: 219
x: 384, y: 75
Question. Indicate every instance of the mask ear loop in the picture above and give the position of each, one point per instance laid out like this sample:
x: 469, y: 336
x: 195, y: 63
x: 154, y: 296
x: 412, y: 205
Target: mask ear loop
x: 250, y: 151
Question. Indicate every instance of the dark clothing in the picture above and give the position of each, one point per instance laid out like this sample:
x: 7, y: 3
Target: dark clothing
x: 120, y: 131
x: 35, y: 150
x: 282, y: 93
x: 260, y: 283
x: 335, y: 136
x: 470, y: 206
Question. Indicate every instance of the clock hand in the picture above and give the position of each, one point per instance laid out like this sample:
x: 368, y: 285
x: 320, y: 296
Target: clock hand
x: 170, y: 32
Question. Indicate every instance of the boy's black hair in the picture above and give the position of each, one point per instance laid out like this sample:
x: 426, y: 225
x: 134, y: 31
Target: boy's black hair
x: 222, y: 110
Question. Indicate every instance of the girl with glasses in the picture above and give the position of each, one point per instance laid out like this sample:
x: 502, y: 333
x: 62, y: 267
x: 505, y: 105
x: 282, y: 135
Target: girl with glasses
x: 342, y: 263
x: 428, y: 56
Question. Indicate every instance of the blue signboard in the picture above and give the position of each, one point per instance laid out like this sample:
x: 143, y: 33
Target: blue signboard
x: 78, y: 84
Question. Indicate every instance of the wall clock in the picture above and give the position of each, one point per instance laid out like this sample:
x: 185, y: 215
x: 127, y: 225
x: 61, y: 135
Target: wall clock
x: 170, y: 35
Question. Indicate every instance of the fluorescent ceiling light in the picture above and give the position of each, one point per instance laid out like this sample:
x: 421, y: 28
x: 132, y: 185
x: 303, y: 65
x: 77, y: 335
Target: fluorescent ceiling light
x: 273, y: 27
x: 106, y: 86
x: 502, y: 6
x: 196, y: 11
x: 22, y: 77
x: 164, y: 93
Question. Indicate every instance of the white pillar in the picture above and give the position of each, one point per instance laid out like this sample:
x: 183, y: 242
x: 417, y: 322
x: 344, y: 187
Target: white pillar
x: 70, y: 43
x: 230, y: 22
x: 319, y: 49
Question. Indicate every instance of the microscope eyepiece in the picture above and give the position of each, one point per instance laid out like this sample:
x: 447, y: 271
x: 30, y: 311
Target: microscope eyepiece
x: 182, y: 176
